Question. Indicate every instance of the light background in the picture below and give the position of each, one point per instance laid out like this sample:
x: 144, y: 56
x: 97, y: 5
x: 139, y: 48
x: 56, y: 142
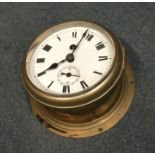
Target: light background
x: 21, y: 23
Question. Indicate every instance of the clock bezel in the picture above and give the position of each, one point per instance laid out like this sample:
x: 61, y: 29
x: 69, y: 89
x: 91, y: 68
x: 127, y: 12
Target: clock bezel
x: 80, y: 99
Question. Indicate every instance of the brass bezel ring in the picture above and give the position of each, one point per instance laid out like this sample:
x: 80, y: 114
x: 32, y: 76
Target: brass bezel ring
x: 83, y: 99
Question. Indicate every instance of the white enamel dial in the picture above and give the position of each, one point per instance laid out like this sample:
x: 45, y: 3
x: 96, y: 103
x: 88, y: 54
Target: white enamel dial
x: 91, y: 58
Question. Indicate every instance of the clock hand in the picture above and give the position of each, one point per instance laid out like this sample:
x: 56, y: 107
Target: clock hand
x: 70, y: 56
x: 83, y: 35
x: 53, y: 66
x: 69, y: 74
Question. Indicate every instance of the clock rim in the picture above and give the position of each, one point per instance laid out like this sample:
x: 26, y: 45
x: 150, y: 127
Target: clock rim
x: 78, y: 99
x: 93, y: 126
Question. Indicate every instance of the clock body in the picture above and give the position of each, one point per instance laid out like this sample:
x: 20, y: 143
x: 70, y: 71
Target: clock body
x: 77, y: 78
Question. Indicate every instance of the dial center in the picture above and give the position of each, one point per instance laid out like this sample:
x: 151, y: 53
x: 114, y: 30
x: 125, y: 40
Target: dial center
x: 70, y: 57
x: 68, y: 74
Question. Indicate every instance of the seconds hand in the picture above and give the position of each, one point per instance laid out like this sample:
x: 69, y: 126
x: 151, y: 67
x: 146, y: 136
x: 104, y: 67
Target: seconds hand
x: 69, y: 74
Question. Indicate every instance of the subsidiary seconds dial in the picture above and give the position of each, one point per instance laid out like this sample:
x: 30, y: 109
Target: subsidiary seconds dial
x: 89, y: 53
x: 68, y: 76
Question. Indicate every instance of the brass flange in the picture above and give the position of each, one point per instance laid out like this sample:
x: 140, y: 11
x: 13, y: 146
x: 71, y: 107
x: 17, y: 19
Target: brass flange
x: 91, y: 120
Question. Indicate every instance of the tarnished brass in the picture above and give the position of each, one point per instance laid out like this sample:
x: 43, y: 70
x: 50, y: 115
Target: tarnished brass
x: 89, y: 113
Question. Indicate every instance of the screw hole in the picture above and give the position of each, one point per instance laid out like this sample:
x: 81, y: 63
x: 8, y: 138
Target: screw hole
x: 131, y: 82
x: 100, y: 129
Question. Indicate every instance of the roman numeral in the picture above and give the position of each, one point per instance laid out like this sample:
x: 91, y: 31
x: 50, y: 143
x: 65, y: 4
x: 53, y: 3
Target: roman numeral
x: 99, y: 73
x: 47, y: 48
x: 42, y: 73
x: 83, y: 84
x: 99, y: 46
x: 66, y: 89
x: 50, y: 84
x: 89, y: 37
x: 40, y: 60
x: 101, y: 58
x: 74, y: 34
x: 58, y: 38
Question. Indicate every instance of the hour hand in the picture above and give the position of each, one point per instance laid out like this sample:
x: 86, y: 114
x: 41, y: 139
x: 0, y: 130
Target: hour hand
x: 53, y: 66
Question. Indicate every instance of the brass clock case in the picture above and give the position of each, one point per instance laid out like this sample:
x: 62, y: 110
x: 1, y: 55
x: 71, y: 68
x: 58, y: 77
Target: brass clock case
x: 89, y: 113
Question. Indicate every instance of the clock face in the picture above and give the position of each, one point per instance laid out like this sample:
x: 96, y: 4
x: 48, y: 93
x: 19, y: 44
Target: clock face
x: 71, y: 60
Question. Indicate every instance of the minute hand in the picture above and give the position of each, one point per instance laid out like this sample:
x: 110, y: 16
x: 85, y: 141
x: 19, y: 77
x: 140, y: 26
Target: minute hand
x: 84, y: 34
